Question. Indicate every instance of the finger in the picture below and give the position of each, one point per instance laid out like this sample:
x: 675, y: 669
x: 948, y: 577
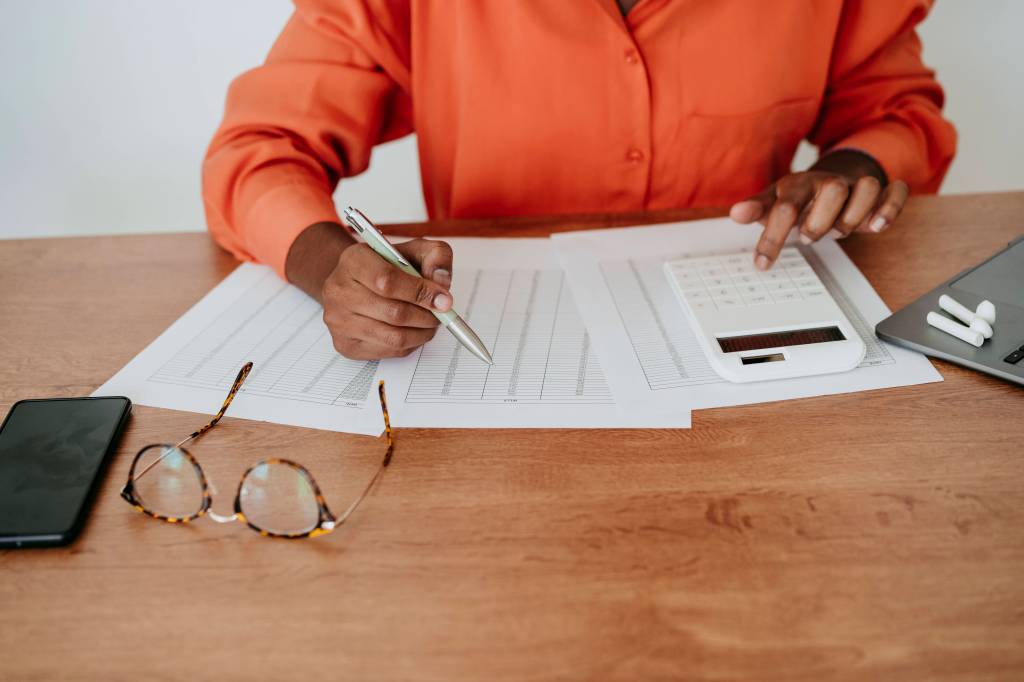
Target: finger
x: 431, y: 256
x: 753, y: 208
x: 858, y: 207
x: 354, y: 349
x: 362, y: 301
x: 357, y: 349
x: 784, y: 213
x: 385, y: 279
x: 389, y: 339
x: 351, y: 348
x: 893, y: 199
x: 824, y: 210
x: 362, y: 338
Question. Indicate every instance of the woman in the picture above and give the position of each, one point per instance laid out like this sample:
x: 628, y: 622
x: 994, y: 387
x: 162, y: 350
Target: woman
x: 574, y: 106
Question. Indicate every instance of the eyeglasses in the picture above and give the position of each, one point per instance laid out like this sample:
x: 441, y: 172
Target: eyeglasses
x: 276, y: 497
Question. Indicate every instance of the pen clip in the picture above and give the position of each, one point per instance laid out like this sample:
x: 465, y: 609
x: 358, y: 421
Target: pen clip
x: 352, y: 218
x: 363, y: 227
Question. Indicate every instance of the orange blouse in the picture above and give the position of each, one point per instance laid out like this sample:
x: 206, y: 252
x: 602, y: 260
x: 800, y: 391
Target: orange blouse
x: 547, y: 107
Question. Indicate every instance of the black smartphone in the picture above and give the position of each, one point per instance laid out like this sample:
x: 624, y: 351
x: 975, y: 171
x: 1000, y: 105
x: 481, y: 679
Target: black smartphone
x: 52, y: 455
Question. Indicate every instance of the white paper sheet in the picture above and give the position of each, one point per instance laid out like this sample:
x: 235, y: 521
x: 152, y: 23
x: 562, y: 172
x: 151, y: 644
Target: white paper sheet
x: 298, y: 378
x: 647, y: 347
x: 513, y: 293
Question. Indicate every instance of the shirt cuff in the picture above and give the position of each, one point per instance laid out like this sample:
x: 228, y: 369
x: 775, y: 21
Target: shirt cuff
x: 280, y: 214
x: 888, y: 144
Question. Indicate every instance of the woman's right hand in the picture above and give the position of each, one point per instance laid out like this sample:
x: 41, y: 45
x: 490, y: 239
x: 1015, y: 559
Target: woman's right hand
x: 374, y: 310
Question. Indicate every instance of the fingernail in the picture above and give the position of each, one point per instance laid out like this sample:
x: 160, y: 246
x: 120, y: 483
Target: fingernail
x: 879, y: 224
x: 442, y: 276
x: 442, y: 302
x: 804, y: 239
x: 835, y: 234
x: 762, y: 262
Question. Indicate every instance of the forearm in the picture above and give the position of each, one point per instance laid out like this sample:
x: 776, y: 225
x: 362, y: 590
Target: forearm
x: 313, y: 256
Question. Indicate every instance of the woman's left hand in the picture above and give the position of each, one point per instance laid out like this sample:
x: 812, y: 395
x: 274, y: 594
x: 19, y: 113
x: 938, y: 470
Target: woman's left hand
x: 844, y: 192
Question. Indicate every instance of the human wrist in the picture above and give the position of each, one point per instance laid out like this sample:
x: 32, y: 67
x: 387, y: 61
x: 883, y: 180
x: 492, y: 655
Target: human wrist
x: 852, y: 163
x: 314, y: 254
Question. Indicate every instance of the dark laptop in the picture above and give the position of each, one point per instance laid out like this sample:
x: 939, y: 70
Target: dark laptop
x: 999, y: 279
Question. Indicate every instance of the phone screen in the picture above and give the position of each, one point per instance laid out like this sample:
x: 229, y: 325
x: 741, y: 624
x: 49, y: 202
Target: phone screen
x: 50, y: 454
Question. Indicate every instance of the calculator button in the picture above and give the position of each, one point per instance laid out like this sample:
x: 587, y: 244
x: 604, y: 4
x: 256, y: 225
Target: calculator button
x: 752, y: 289
x: 1015, y: 357
x: 709, y: 272
x: 814, y: 293
x: 783, y: 296
x: 746, y: 279
x: 697, y: 295
x: 720, y: 292
x: 774, y: 276
x: 701, y: 305
x: 718, y: 282
x: 760, y: 299
x: 808, y: 284
x: 779, y: 286
x: 687, y: 284
x: 800, y: 272
x: 728, y: 302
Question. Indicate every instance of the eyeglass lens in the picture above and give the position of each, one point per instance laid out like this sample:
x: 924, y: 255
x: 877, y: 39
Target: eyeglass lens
x: 166, y: 483
x: 278, y: 498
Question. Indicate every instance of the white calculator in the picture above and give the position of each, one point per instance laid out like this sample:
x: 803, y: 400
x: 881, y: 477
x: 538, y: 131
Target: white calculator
x: 756, y: 325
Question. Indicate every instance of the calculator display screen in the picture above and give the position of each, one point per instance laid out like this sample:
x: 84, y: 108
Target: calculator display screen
x: 797, y: 337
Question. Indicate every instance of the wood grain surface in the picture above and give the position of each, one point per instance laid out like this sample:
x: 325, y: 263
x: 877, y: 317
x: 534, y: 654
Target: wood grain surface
x: 874, y: 536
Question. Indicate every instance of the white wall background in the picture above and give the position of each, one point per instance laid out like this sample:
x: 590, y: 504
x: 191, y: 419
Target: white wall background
x: 106, y: 107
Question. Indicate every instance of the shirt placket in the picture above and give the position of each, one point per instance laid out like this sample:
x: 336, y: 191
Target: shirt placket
x: 636, y: 114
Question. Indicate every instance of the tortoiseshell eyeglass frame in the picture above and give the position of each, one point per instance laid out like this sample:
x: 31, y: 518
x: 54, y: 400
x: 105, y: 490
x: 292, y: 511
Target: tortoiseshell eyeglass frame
x: 327, y: 521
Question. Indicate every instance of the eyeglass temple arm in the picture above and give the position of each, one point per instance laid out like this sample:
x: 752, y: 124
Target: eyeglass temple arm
x: 242, y: 374
x: 390, y: 448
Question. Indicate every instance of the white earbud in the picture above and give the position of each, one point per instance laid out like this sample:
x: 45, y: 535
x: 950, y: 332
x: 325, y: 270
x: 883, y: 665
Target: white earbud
x: 987, y: 312
x: 975, y: 321
x: 982, y: 327
x: 975, y: 338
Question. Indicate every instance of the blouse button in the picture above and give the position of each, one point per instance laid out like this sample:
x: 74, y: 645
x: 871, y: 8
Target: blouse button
x: 634, y: 155
x: 631, y: 56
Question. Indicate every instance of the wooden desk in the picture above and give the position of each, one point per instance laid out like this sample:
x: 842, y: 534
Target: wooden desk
x: 869, y: 536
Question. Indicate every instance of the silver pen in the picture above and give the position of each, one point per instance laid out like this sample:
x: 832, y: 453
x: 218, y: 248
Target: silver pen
x: 449, y: 318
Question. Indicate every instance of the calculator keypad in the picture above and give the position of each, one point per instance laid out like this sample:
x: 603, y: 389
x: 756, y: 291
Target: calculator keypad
x: 731, y: 281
